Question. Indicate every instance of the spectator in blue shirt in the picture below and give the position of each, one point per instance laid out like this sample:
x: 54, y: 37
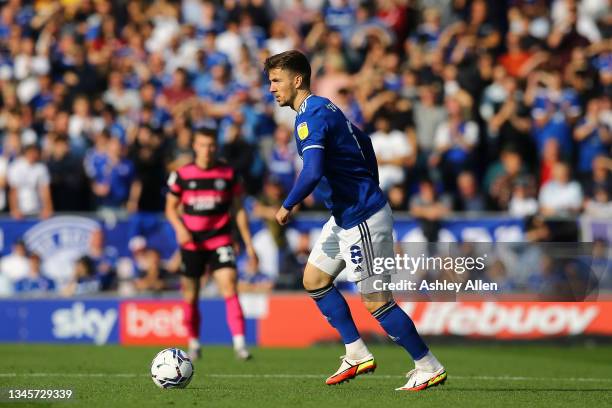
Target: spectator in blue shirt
x: 221, y: 87
x: 429, y: 31
x: 103, y: 258
x: 7, y: 18
x: 551, y: 95
x: 113, y: 180
x: 455, y: 141
x: 553, y: 109
x: 592, y: 136
x: 549, y: 280
x: 84, y: 280
x: 251, y: 279
x: 340, y: 16
x: 44, y: 96
x: 35, y: 283
x: 348, y: 104
x: 151, y: 277
x: 549, y: 125
x: 95, y: 158
x: 282, y: 159
x: 201, y: 75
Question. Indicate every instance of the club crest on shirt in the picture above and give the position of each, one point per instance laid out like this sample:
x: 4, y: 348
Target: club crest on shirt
x: 219, y: 184
x: 302, y: 130
x: 356, y: 256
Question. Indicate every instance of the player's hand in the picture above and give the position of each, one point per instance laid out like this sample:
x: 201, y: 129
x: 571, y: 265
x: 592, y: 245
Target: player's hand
x: 46, y: 213
x: 183, y: 236
x: 132, y: 206
x: 101, y: 189
x: 16, y: 214
x: 250, y: 250
x: 282, y: 215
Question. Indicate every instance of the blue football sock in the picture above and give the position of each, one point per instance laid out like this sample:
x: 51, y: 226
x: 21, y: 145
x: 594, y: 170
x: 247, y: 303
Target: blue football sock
x: 400, y: 328
x: 336, y: 310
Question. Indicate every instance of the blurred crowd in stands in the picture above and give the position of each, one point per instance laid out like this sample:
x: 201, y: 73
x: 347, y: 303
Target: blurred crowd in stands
x: 100, y: 269
x: 544, y: 270
x: 471, y: 105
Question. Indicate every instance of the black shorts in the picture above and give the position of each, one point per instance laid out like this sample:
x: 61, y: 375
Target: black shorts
x: 195, y: 263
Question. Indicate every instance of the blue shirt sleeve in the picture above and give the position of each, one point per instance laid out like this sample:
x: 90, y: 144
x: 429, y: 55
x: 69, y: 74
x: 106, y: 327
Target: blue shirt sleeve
x: 308, y: 178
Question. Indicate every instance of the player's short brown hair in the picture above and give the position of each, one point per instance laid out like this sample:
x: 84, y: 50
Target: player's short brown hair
x: 293, y: 61
x: 205, y: 131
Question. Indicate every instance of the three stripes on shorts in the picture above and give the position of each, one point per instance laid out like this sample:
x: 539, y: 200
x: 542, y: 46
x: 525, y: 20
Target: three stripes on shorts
x: 368, y: 248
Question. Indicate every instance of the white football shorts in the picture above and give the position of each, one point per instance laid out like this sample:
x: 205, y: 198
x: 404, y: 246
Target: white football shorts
x: 356, y: 248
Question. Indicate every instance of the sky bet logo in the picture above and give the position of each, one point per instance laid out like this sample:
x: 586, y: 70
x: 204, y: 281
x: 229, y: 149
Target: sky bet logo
x: 78, y: 322
x: 152, y: 322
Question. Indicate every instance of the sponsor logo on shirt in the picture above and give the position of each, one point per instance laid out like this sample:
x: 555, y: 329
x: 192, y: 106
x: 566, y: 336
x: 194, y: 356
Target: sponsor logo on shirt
x: 302, y: 130
x: 203, y: 203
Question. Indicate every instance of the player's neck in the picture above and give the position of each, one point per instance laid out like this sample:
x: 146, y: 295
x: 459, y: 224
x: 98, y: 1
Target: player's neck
x: 300, y: 98
x: 205, y: 165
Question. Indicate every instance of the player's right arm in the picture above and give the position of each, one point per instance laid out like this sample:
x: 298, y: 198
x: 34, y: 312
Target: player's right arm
x: 311, y: 134
x: 308, y: 179
x: 173, y: 204
x: 305, y: 184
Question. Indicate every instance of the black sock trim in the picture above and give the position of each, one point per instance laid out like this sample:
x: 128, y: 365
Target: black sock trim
x: 319, y: 293
x: 381, y: 311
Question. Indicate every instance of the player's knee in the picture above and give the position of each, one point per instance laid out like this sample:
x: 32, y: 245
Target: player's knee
x: 314, y: 282
x: 228, y: 290
x: 373, y: 306
x: 226, y: 281
x: 373, y: 302
x: 314, y: 278
x: 190, y: 296
x: 309, y: 284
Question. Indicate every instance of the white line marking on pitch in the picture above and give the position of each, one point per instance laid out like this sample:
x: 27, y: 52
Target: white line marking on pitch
x: 371, y: 377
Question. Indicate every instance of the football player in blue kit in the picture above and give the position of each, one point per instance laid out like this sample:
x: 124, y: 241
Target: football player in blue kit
x: 337, y: 155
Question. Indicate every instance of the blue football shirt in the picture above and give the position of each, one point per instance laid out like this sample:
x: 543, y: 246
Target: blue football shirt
x: 350, y: 171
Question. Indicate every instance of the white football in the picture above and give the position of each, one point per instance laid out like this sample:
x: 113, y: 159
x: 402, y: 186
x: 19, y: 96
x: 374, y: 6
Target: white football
x: 171, y: 368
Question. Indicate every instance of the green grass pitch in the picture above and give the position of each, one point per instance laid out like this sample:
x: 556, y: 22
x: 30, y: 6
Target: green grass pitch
x: 479, y: 376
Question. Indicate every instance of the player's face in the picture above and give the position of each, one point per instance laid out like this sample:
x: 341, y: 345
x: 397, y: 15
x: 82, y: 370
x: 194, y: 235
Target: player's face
x: 282, y: 86
x: 205, y: 148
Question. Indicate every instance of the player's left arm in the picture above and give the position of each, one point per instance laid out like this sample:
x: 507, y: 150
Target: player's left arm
x: 367, y: 149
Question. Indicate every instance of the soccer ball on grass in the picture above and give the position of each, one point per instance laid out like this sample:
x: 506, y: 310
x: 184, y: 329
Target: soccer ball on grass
x: 171, y: 368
